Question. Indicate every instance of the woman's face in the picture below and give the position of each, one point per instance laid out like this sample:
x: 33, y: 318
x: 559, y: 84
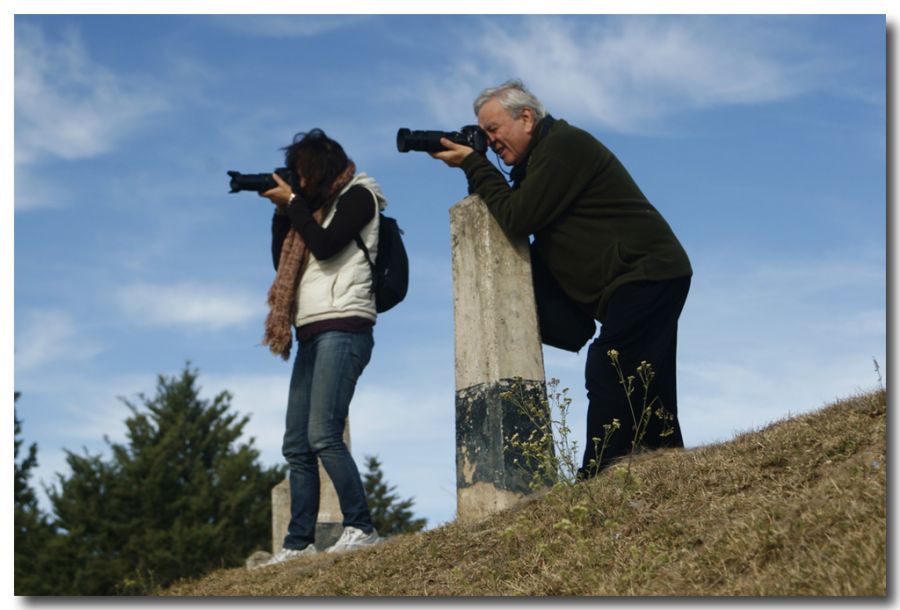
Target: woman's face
x: 311, y: 192
x: 301, y: 182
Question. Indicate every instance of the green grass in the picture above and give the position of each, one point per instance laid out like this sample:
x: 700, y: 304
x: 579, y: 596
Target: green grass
x: 795, y: 509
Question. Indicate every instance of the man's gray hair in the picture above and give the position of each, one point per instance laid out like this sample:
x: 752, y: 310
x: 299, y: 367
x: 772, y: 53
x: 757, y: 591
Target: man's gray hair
x: 513, y: 97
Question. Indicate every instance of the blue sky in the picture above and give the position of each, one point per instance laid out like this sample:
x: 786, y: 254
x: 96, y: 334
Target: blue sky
x: 761, y: 139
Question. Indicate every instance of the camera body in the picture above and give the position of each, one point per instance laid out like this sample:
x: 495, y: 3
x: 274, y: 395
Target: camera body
x: 430, y: 141
x: 259, y: 182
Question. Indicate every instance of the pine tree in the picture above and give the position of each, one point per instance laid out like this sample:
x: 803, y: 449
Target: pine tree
x: 389, y: 515
x: 33, y: 531
x: 180, y: 498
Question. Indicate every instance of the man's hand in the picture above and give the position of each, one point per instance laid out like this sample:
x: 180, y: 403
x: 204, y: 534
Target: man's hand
x: 455, y: 153
x: 280, y: 195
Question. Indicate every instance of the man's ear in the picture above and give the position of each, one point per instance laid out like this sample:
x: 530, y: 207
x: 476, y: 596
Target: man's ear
x: 529, y: 119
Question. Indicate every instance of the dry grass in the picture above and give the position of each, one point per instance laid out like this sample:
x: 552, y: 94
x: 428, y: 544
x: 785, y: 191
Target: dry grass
x: 795, y: 509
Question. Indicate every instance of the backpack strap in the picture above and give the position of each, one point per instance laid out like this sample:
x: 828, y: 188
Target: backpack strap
x: 362, y: 246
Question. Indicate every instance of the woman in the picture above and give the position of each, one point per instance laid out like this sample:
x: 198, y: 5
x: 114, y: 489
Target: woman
x: 322, y: 291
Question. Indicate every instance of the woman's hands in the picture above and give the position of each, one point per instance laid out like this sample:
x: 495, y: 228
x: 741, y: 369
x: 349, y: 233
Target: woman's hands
x: 281, y: 195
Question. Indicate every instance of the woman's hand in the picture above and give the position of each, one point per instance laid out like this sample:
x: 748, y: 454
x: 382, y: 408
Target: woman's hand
x: 281, y: 195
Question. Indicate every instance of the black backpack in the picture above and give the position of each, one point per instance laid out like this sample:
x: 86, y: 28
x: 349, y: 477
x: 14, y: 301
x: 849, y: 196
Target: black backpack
x: 390, y: 270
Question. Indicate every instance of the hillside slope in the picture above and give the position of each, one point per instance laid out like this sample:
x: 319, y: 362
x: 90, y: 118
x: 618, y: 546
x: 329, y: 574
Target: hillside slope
x: 797, y: 508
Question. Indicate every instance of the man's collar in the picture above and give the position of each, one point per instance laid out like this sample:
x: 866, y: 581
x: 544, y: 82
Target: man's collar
x: 541, y: 129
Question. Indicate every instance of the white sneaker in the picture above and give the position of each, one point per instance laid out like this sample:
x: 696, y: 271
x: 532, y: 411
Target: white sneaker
x: 288, y: 554
x: 353, y: 538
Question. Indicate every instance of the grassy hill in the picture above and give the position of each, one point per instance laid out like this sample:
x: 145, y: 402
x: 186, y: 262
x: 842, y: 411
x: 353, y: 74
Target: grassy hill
x: 797, y: 508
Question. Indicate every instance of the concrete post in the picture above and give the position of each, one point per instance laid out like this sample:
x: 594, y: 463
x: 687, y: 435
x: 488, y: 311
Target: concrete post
x: 330, y: 521
x: 497, y: 342
x: 281, y: 514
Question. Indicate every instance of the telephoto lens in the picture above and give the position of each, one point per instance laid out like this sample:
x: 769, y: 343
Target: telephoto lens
x: 250, y: 182
x: 403, y: 139
x: 259, y: 182
x: 430, y: 141
x: 425, y: 141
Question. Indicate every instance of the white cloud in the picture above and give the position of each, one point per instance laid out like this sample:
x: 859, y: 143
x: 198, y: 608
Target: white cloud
x: 262, y: 396
x: 33, y: 190
x: 721, y: 397
x: 627, y: 73
x: 288, y: 26
x: 811, y: 279
x: 51, y: 336
x: 757, y: 345
x: 449, y: 95
x: 189, y: 305
x: 67, y: 105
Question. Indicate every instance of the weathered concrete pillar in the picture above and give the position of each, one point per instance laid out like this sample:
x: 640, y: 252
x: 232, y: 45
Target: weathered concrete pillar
x: 497, y: 343
x: 330, y: 522
x: 281, y: 514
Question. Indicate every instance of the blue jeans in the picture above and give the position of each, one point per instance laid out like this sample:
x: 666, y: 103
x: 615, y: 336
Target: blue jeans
x: 322, y: 383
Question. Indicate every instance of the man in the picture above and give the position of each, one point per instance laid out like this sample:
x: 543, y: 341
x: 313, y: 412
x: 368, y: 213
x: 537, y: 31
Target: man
x: 609, y: 249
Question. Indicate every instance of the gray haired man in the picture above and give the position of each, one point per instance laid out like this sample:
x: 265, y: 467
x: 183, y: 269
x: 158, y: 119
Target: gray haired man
x: 610, y: 251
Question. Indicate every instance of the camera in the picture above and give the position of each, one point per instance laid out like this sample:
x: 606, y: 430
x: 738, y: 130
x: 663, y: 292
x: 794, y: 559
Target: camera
x: 430, y: 141
x: 259, y: 182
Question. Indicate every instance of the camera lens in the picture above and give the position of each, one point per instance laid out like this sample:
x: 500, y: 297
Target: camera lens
x: 403, y: 140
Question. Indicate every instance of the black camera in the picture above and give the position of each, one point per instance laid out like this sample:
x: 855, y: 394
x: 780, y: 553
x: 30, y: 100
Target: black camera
x: 430, y: 141
x: 259, y: 182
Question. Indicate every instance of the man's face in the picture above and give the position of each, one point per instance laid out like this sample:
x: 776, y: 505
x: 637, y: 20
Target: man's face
x: 508, y: 137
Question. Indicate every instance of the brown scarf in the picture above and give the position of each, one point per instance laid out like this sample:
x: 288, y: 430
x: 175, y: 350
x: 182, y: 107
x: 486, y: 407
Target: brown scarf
x: 291, y: 265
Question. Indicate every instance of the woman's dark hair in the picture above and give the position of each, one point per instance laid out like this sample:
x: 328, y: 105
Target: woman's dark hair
x: 317, y: 158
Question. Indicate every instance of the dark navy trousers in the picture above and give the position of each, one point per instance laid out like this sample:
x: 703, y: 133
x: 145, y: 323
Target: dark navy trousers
x: 641, y: 324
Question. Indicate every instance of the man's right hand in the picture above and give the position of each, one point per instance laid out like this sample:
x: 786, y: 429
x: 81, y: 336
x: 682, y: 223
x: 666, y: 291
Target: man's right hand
x: 455, y: 153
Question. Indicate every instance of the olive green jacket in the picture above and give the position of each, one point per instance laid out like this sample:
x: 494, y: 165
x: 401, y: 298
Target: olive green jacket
x: 592, y: 225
